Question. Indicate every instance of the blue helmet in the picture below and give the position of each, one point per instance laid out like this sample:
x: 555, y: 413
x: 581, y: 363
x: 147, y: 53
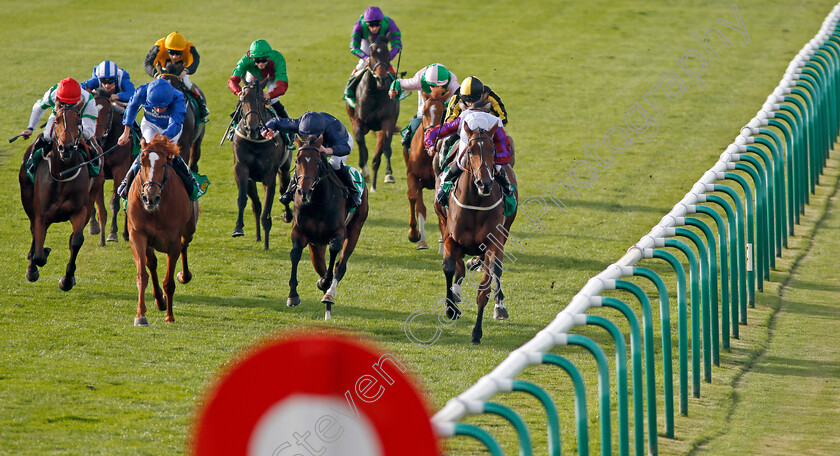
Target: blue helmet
x: 105, y: 70
x: 159, y: 93
x: 311, y: 123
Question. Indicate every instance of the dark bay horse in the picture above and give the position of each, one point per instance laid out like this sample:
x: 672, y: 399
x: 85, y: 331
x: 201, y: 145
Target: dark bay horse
x: 476, y: 225
x: 160, y: 217
x: 53, y: 198
x: 257, y: 159
x: 375, y: 111
x: 192, y: 134
x: 418, y: 166
x: 115, y: 166
x: 321, y: 220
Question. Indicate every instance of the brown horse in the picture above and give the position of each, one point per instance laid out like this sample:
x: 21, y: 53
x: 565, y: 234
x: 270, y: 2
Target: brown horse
x: 321, y: 219
x: 160, y: 217
x: 476, y: 225
x: 115, y: 166
x: 53, y: 198
x: 191, y: 134
x: 418, y: 166
x: 257, y: 159
x: 375, y: 111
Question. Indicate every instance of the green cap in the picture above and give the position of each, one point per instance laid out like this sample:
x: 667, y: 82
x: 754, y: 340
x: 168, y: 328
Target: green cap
x: 260, y: 48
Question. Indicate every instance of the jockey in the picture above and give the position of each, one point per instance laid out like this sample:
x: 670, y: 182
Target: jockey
x: 480, y: 97
x: 112, y: 80
x: 164, y: 109
x: 434, y: 75
x: 474, y: 119
x: 66, y: 92
x: 263, y: 62
x: 371, y: 25
x: 337, y: 145
x: 176, y: 49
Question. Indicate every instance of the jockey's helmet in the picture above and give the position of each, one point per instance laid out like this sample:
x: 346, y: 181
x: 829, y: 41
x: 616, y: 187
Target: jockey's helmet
x: 175, y: 41
x: 436, y: 75
x: 311, y: 123
x: 259, y: 48
x: 106, y: 70
x: 69, y: 91
x: 159, y: 93
x: 373, y: 13
x: 471, y: 89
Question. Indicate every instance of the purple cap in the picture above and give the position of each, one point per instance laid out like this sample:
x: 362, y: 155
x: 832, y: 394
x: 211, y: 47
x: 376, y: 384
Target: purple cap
x: 373, y: 13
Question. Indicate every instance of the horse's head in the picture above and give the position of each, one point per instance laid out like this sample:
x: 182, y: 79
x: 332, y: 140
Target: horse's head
x: 308, y: 165
x: 253, y: 109
x: 153, y: 170
x: 172, y: 73
x: 104, y: 116
x: 480, y: 157
x: 68, y: 131
x: 434, y: 106
x: 380, y: 62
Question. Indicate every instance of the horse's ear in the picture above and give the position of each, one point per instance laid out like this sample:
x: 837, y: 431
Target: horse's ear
x: 467, y: 129
x: 298, y: 142
x: 492, y: 131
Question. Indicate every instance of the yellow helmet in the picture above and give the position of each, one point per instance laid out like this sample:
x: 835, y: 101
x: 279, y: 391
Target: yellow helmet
x: 175, y: 41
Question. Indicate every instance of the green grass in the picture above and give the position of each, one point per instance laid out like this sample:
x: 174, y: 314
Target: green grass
x: 76, y: 377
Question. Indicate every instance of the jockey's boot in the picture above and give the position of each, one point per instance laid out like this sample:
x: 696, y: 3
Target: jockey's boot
x: 289, y: 195
x: 40, y: 143
x: 138, y: 133
x: 183, y: 171
x: 409, y: 131
x: 125, y: 186
x: 203, y: 112
x: 350, y: 89
x: 504, y: 182
x: 442, y: 194
x: 281, y: 112
x: 354, y: 197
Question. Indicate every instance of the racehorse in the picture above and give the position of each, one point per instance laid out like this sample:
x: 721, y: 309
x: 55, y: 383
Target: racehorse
x: 321, y: 219
x: 191, y: 134
x: 54, y: 198
x: 476, y: 225
x: 160, y: 217
x: 258, y: 159
x: 375, y: 110
x: 115, y: 166
x: 418, y: 166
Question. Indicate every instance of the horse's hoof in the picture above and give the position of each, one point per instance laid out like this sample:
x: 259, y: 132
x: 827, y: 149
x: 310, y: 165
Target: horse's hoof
x: 500, y: 313
x: 184, y: 278
x: 237, y: 232
x: 287, y: 217
x: 32, y: 275
x: 328, y: 299
x: 323, y: 285
x: 372, y: 189
x: 473, y: 263
x: 141, y: 321
x: 389, y: 179
x: 413, y: 235
x: 453, y: 314
x: 476, y: 342
x: 126, y: 238
x: 66, y: 285
x: 422, y: 245
x: 93, y: 228
x: 112, y: 238
x: 43, y: 261
x: 293, y: 301
x: 161, y: 304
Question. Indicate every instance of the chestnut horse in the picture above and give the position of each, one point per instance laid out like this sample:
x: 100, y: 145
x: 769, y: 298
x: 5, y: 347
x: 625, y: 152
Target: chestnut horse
x: 321, y: 219
x: 191, y: 134
x: 419, y: 171
x: 115, y: 166
x: 375, y: 111
x: 53, y: 198
x: 160, y: 217
x: 256, y: 159
x: 476, y: 225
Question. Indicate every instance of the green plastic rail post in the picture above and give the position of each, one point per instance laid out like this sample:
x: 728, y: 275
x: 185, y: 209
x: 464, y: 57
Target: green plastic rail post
x: 744, y: 267
x: 481, y: 435
x: 581, y: 422
x: 621, y: 380
x: 550, y: 412
x: 763, y: 216
x: 694, y: 279
x: 650, y: 372
x: 787, y: 129
x: 724, y: 272
x: 750, y: 218
x: 603, y: 387
x: 525, y: 448
x: 667, y: 361
x: 737, y: 278
x: 704, y: 312
x: 711, y: 252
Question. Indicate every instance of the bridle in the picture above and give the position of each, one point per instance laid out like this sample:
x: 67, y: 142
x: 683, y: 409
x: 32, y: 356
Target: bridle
x: 149, y: 183
x: 260, y: 112
x: 65, y: 153
x: 470, y: 151
x: 302, y: 177
x: 106, y: 128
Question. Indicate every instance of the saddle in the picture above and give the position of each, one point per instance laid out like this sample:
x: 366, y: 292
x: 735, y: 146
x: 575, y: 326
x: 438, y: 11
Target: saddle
x: 37, y: 156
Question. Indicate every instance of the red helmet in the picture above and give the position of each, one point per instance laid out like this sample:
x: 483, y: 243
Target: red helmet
x: 69, y: 91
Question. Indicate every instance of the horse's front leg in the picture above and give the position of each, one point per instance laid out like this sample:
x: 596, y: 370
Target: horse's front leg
x: 241, y: 175
x: 151, y: 264
x: 487, y: 279
x: 377, y: 159
x: 169, y: 282
x: 386, y: 134
x: 37, y: 253
x: 451, y: 253
x: 298, y: 243
x: 500, y: 312
x: 98, y: 214
x: 336, y: 243
x: 186, y: 239
x: 119, y: 175
x: 256, y: 207
x: 359, y: 137
x: 285, y: 180
x: 413, y: 192
x: 265, y: 219
x: 138, y: 250
x: 79, y: 220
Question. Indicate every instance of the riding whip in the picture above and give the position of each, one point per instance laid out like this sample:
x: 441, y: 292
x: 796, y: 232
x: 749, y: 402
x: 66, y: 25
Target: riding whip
x: 70, y: 170
x: 14, y: 138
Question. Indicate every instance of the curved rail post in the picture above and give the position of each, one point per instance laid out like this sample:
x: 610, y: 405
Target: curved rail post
x: 747, y: 292
x: 724, y: 271
x: 603, y: 383
x: 621, y: 378
x: 711, y: 247
x: 517, y: 422
x: 738, y: 278
x: 550, y: 412
x: 750, y: 227
x: 481, y: 435
x: 580, y: 398
x: 703, y: 312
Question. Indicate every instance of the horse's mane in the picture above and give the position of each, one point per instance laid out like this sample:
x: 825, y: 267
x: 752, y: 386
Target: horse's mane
x: 173, y: 68
x: 161, y: 144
